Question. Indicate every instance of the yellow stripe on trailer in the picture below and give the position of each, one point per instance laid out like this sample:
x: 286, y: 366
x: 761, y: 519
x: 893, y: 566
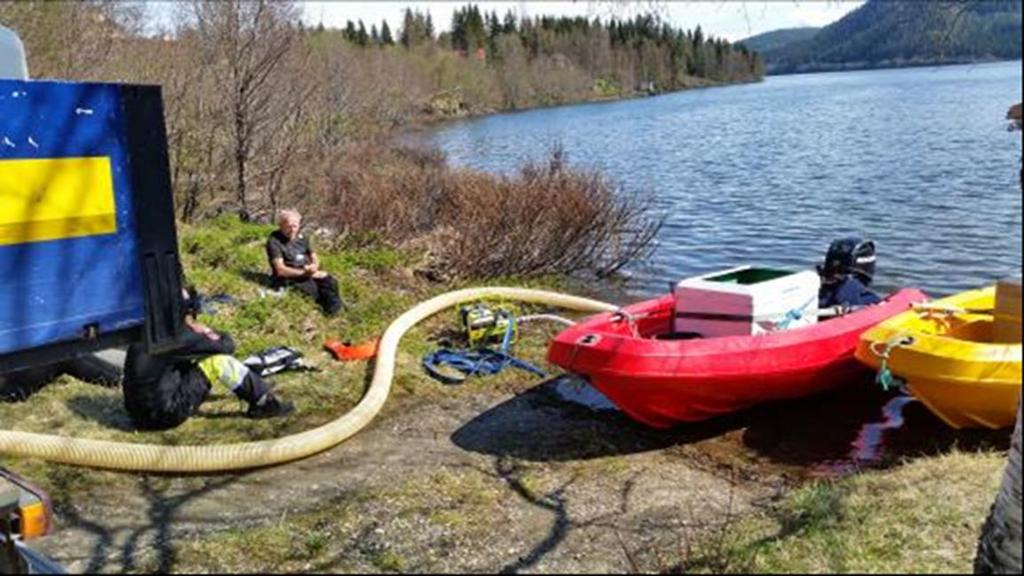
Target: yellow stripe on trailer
x: 56, y: 199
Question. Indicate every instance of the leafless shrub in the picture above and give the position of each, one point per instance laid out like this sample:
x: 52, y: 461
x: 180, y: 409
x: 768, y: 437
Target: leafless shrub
x: 373, y: 194
x: 548, y: 219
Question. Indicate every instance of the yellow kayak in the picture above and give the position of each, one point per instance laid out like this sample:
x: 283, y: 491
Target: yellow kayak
x: 960, y: 356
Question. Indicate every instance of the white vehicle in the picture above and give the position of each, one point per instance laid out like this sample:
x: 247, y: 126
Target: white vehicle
x: 12, y: 56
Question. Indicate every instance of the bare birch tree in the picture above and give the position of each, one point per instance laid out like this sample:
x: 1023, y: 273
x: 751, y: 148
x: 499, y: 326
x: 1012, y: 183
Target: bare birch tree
x: 245, y: 44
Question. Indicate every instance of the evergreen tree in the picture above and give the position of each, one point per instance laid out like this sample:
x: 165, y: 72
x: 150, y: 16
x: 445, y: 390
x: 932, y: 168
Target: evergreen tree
x: 415, y: 28
x: 362, y: 38
x: 699, y: 60
x: 509, y: 26
x: 374, y: 35
x: 458, y: 31
x: 385, y: 34
x: 350, y: 31
x: 407, y: 24
x: 640, y: 52
x: 476, y: 31
x: 494, y: 27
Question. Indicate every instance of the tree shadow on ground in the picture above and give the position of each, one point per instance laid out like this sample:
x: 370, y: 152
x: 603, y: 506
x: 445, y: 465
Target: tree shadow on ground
x: 149, y: 546
x: 162, y: 512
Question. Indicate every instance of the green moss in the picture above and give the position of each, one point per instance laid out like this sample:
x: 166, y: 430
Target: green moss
x: 389, y: 562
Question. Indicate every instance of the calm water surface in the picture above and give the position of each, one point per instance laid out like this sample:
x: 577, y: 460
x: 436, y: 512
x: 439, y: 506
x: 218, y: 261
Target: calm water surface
x: 919, y: 160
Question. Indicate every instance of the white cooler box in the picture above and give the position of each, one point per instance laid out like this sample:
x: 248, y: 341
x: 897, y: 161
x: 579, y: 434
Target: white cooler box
x: 746, y: 301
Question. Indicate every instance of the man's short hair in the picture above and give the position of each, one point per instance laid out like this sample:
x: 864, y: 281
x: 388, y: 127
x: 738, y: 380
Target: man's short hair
x: 287, y: 214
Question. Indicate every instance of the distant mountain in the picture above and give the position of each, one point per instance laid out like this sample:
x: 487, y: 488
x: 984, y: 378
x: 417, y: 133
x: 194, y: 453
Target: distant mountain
x: 887, y: 33
x: 770, y: 41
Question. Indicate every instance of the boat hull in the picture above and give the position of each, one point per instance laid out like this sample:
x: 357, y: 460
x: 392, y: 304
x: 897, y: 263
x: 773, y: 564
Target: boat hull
x: 665, y: 382
x: 952, y: 366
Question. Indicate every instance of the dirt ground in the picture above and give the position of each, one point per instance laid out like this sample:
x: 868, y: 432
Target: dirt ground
x: 485, y: 480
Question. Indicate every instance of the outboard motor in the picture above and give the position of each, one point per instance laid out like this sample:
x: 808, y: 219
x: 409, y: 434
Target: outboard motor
x: 848, y: 270
x: 849, y: 256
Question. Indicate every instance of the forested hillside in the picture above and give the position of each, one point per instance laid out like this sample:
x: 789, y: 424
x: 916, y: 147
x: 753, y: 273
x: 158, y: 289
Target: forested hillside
x: 776, y: 39
x: 549, y: 60
x: 892, y: 34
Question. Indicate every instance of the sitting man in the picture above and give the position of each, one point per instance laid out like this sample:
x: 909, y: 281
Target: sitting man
x: 848, y: 271
x: 163, y: 391
x: 294, y: 263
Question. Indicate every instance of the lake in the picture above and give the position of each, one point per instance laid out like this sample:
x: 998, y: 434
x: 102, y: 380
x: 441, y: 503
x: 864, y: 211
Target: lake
x: 919, y: 160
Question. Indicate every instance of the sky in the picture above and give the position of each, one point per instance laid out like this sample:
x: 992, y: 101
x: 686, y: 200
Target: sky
x: 729, y: 19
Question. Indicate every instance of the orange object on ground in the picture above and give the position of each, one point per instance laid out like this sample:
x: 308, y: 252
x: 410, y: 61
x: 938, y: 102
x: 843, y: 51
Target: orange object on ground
x: 351, y: 353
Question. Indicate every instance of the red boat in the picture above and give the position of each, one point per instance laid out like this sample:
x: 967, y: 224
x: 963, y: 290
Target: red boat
x: 662, y: 382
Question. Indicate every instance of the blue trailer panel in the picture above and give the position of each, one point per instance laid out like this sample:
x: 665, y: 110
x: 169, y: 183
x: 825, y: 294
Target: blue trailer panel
x: 69, y: 254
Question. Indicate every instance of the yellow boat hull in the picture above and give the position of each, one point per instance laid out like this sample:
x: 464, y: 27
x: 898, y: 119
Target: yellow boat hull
x: 952, y: 364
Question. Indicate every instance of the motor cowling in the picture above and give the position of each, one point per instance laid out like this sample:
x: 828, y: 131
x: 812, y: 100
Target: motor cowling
x: 848, y: 256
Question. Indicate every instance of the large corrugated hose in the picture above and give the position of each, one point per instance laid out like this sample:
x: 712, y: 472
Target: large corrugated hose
x: 222, y: 458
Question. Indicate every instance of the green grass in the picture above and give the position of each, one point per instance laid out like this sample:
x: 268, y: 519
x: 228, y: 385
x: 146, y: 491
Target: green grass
x: 607, y: 87
x: 227, y: 256
x: 921, y: 517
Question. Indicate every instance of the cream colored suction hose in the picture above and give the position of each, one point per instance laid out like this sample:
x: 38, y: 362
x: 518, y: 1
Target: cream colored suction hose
x: 155, y: 458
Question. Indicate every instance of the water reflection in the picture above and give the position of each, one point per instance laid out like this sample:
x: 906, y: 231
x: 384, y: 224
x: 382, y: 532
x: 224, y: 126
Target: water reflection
x: 869, y: 448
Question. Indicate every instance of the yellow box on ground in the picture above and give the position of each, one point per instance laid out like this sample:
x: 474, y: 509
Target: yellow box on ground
x: 55, y: 199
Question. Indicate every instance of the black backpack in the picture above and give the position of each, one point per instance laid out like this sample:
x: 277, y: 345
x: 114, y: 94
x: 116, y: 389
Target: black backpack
x: 275, y: 359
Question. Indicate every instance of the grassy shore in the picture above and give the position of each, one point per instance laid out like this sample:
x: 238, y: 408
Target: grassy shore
x: 225, y: 256
x: 920, y: 517
x: 493, y: 475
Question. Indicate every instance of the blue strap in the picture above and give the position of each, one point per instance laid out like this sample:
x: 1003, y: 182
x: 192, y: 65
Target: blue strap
x: 472, y: 363
x: 794, y: 315
x: 506, y: 341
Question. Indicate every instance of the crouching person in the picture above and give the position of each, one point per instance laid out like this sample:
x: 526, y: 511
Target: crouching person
x: 293, y: 263
x: 163, y: 391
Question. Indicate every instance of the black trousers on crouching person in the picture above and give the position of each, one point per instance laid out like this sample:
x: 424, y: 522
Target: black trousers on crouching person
x: 323, y: 290
x: 163, y: 391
